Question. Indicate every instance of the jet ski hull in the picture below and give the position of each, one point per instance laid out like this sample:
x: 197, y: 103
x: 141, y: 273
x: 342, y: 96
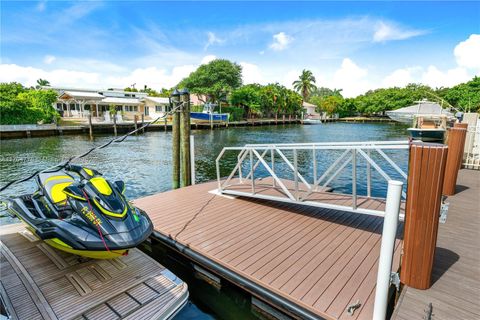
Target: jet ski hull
x: 75, y: 236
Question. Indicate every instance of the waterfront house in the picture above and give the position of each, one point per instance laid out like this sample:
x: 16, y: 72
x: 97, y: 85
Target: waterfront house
x: 155, y: 107
x: 80, y: 103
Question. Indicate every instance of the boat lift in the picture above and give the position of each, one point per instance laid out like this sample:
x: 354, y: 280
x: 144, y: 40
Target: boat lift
x: 300, y: 191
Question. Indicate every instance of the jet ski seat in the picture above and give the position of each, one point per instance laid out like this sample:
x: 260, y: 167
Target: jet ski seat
x: 53, y: 184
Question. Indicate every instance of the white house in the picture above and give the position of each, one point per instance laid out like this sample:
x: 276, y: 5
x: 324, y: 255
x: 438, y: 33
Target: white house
x: 155, y: 107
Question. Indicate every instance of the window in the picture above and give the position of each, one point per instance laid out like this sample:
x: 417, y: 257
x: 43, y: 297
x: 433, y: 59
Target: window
x: 158, y: 109
x: 135, y: 108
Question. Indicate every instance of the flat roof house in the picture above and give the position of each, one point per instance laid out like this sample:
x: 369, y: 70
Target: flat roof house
x: 80, y: 103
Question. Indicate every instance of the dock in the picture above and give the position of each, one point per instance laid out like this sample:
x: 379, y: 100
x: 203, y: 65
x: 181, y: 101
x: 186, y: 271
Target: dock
x: 39, y: 282
x: 309, y: 261
x: 455, y: 293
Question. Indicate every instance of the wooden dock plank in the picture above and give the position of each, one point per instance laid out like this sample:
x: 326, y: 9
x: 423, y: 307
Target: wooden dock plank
x: 455, y: 293
x: 310, y: 256
x: 95, y: 289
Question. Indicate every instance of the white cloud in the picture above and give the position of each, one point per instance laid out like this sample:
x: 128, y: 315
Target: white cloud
x: 212, y: 39
x: 153, y: 77
x: 467, y: 53
x: 28, y: 76
x: 251, y: 73
x: 400, y: 77
x: 437, y: 78
x: 351, y: 78
x: 281, y: 41
x: 208, y: 59
x: 49, y: 59
x: 385, y: 31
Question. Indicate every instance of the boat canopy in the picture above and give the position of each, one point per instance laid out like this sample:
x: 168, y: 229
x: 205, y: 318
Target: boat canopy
x: 423, y: 107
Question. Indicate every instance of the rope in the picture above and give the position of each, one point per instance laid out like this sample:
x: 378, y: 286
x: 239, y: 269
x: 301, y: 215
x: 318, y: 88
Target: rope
x: 63, y: 165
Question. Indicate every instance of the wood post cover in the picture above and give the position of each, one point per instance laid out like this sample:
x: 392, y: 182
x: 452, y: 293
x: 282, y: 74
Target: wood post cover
x: 456, y: 144
x: 465, y: 126
x: 424, y: 192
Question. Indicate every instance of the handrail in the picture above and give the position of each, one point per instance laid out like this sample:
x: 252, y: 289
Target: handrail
x: 357, y: 151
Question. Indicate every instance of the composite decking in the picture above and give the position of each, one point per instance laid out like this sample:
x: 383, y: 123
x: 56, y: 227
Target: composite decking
x: 39, y: 282
x: 455, y: 293
x: 322, y: 260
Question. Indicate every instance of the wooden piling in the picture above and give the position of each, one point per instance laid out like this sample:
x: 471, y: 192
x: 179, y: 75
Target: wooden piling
x: 115, y: 123
x: 143, y: 123
x: 165, y: 123
x: 456, y: 144
x: 185, y: 144
x: 135, y: 123
x: 176, y: 150
x: 90, y: 128
x: 425, y: 179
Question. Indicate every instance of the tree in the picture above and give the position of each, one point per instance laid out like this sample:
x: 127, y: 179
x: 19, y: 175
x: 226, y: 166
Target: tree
x: 42, y: 83
x: 331, y: 104
x: 464, y: 96
x: 305, y: 84
x: 248, y: 97
x: 214, y: 80
x: 19, y: 105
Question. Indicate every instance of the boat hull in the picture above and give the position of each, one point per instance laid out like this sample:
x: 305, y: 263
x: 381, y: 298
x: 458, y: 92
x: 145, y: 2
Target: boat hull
x: 216, y: 117
x: 427, y: 135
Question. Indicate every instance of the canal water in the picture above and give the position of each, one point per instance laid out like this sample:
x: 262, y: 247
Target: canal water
x: 144, y: 163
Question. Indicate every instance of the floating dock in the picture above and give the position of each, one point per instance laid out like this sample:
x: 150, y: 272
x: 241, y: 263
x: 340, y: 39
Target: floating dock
x: 39, y: 282
x: 306, y: 261
x: 455, y: 293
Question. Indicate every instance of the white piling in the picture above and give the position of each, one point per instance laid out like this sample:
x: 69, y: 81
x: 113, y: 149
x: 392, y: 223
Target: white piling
x: 192, y: 158
x: 390, y: 223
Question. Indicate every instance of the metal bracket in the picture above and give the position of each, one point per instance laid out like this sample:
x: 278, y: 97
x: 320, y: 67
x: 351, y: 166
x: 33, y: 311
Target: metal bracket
x: 395, y: 280
x: 444, y: 212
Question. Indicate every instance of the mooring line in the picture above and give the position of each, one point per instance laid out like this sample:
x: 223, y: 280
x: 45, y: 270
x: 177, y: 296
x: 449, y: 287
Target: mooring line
x: 62, y: 165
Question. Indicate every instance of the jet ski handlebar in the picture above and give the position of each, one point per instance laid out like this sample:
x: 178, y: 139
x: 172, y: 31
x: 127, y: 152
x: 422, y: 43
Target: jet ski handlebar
x: 83, y: 172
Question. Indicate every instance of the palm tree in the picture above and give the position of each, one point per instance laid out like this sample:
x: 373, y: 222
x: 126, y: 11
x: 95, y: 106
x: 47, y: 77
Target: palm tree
x: 42, y: 83
x: 305, y: 84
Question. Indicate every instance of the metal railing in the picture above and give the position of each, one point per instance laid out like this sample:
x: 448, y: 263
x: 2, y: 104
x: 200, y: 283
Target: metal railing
x: 273, y: 156
x: 471, y: 158
x: 267, y: 155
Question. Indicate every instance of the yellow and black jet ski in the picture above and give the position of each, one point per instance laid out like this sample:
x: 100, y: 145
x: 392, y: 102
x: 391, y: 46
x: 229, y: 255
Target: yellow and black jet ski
x: 78, y: 211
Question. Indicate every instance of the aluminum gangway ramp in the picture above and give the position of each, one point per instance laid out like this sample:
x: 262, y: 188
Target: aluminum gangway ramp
x: 308, y: 173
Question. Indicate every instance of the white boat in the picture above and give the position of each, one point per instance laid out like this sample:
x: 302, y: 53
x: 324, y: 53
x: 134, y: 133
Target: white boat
x: 312, y: 121
x: 420, y: 108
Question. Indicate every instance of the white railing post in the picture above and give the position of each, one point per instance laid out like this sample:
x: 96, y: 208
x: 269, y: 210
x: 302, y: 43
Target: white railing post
x: 295, y: 172
x: 272, y: 155
x: 252, y: 168
x: 192, y: 159
x: 314, y: 155
x: 390, y: 223
x: 354, y: 178
x: 369, y: 177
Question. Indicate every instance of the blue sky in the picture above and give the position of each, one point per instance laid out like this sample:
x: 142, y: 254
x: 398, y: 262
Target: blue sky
x: 351, y: 45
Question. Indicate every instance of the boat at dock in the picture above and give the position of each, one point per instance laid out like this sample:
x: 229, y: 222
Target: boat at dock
x: 311, y: 121
x: 208, y: 114
x: 429, y: 128
x: 420, y: 108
